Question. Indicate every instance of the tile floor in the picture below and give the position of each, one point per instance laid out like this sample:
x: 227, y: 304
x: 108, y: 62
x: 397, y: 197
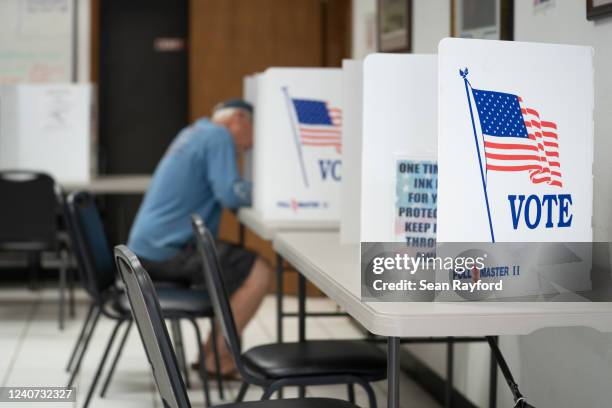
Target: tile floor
x: 33, y: 351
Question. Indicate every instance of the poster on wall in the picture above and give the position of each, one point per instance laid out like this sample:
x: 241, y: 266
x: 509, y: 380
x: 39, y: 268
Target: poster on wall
x: 42, y: 125
x: 298, y: 143
x: 36, y: 39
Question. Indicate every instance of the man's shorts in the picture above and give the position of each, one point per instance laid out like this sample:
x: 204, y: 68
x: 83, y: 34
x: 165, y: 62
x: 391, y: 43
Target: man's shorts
x: 186, y: 267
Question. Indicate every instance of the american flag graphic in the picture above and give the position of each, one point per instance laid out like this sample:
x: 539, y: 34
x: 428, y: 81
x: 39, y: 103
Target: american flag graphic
x: 516, y: 138
x: 319, y: 125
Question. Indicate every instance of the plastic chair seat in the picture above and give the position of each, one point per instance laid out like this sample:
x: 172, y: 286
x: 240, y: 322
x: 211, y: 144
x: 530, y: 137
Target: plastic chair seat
x: 317, y: 358
x: 292, y: 403
x: 179, y: 302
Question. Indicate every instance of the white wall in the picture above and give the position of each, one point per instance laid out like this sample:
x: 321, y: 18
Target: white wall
x: 430, y: 23
x: 83, y: 41
x: 364, y: 28
x: 555, y: 367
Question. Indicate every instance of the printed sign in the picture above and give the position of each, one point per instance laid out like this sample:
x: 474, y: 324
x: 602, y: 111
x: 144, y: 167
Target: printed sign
x: 515, y: 142
x: 43, y: 125
x: 416, y: 192
x: 298, y: 142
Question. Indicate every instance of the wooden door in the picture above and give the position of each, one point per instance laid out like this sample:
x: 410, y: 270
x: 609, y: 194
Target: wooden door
x: 233, y: 38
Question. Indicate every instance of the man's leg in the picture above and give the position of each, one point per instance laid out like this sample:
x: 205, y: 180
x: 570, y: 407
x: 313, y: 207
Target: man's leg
x: 244, y: 303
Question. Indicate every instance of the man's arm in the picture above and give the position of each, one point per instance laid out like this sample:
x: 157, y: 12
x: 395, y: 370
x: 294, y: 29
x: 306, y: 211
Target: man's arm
x: 229, y: 189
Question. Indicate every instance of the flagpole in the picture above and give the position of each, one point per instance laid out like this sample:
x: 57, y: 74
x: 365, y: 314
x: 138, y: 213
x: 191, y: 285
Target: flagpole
x: 296, y: 135
x: 464, y: 74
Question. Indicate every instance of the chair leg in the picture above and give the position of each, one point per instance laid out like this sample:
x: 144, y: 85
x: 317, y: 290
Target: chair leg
x: 86, y: 340
x: 33, y: 269
x: 203, y: 373
x: 109, y: 345
x: 62, y: 295
x: 370, y: 392
x: 111, y: 371
x: 71, y: 302
x: 213, y: 337
x: 269, y: 391
x: 242, y: 392
x: 79, y: 341
x: 179, y: 350
x: 351, y: 392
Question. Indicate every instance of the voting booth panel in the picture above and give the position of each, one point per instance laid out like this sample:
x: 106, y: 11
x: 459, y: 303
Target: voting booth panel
x: 399, y: 128
x: 515, y: 153
x: 350, y: 188
x: 47, y: 128
x: 249, y: 94
x: 515, y: 142
x: 297, y: 148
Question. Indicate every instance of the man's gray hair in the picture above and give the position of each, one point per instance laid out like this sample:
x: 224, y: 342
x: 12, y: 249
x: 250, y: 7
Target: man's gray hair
x: 222, y: 113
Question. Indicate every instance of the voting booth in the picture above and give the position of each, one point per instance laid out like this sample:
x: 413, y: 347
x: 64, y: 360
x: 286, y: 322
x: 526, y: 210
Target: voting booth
x: 515, y: 154
x: 297, y: 143
x: 47, y: 128
x: 399, y: 134
x: 350, y: 188
x: 507, y: 197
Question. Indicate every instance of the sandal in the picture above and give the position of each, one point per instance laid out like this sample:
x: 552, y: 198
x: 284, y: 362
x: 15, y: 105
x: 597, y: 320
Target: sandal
x: 233, y: 375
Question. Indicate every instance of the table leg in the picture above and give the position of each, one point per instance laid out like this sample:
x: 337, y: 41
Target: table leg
x: 301, y: 320
x: 493, y: 379
x: 393, y: 372
x: 279, y: 298
x: 448, y: 397
x: 279, y: 305
x: 301, y: 307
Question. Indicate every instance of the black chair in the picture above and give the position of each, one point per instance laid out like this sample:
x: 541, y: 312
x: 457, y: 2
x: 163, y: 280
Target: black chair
x: 274, y: 366
x: 99, y: 280
x: 29, y: 211
x: 147, y: 313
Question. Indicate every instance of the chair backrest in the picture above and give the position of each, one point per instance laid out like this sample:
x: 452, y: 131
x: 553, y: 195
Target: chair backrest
x: 153, y: 332
x: 89, y: 239
x: 217, y: 291
x: 29, y: 207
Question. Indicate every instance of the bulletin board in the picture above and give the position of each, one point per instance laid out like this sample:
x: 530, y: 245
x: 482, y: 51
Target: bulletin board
x: 36, y: 41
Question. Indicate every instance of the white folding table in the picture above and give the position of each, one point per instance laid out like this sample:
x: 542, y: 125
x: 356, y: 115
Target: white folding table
x: 334, y: 268
x: 112, y: 184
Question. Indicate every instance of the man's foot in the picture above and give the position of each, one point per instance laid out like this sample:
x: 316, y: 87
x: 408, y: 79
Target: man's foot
x: 231, y: 375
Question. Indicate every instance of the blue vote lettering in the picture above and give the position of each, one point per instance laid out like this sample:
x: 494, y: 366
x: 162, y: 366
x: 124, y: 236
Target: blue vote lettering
x: 533, y: 209
x: 330, y: 169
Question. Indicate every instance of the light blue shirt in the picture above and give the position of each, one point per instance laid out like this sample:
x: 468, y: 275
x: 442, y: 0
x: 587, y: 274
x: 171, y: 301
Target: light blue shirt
x: 198, y: 174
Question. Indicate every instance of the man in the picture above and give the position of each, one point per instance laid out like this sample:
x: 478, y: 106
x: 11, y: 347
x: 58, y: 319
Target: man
x: 199, y: 174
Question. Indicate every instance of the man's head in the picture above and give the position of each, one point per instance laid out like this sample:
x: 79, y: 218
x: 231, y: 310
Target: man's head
x: 236, y: 116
